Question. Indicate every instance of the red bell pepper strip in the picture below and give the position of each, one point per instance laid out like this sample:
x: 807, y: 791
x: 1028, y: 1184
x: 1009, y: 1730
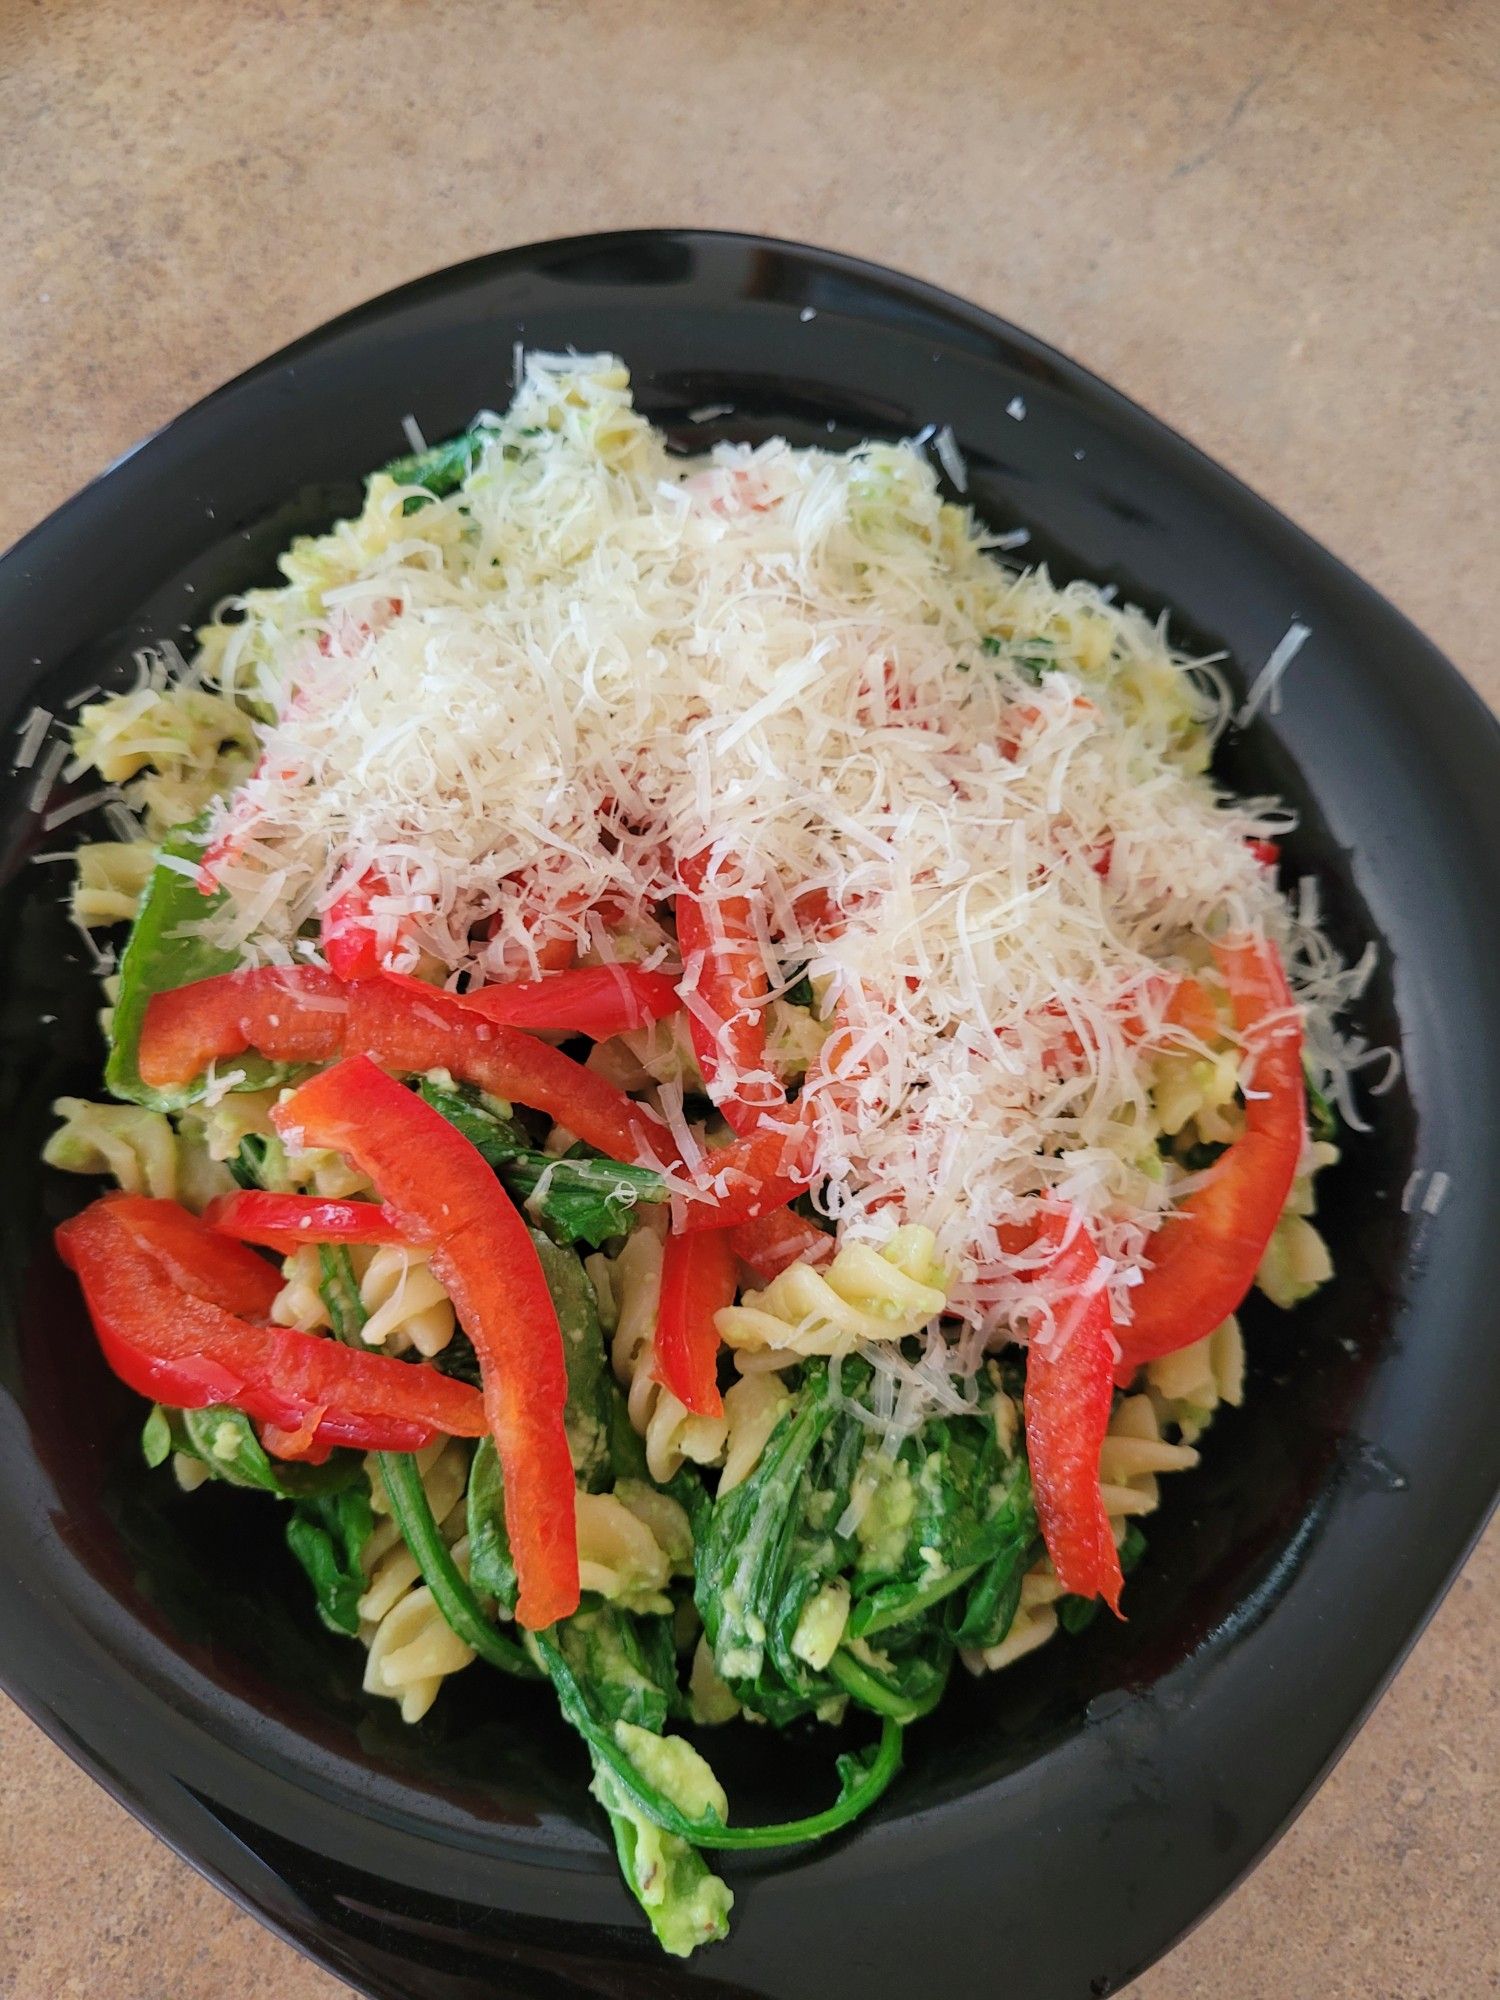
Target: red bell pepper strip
x: 773, y: 1243
x: 347, y: 930
x: 1204, y: 1257
x: 1266, y: 852
x: 304, y: 1014
x: 439, y: 1187
x: 760, y: 1173
x: 291, y: 1013
x: 415, y: 1031
x: 751, y: 1178
x: 1069, y: 1388
x: 288, y: 1221
x: 165, y: 1332
x: 227, y: 1274
x: 556, y: 954
x: 697, y: 1280
x: 594, y: 1000
x: 1191, y: 1010
x: 553, y: 950
x: 719, y: 944
x: 1188, y: 1009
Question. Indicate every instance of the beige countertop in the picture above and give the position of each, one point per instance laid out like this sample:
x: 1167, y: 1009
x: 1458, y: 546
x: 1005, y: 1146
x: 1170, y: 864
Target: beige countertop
x: 1273, y: 225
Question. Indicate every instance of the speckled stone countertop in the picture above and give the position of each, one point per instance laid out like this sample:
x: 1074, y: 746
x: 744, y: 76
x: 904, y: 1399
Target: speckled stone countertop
x: 1274, y: 226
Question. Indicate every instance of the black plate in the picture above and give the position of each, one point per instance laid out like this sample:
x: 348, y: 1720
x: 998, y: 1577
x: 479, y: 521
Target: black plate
x: 1059, y: 1825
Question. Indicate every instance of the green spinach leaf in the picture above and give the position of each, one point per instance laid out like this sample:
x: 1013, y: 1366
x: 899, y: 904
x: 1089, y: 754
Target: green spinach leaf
x: 441, y: 468
x: 224, y: 1443
x: 327, y: 1535
x: 162, y: 953
x: 580, y: 1198
x: 587, y: 1413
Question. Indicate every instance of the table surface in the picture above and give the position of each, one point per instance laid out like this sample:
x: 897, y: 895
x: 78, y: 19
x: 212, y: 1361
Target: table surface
x: 1269, y: 225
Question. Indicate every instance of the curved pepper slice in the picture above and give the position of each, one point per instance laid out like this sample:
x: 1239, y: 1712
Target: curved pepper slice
x: 759, y: 1173
x: 158, y: 1309
x: 290, y: 1013
x: 697, y: 1280
x: 593, y: 1000
x: 751, y: 1178
x: 227, y: 1274
x: 304, y: 1014
x: 444, y: 1195
x: 772, y: 1243
x: 287, y: 1222
x: 417, y: 1031
x: 347, y: 931
x: 718, y: 940
x: 1069, y: 1389
x: 1204, y: 1257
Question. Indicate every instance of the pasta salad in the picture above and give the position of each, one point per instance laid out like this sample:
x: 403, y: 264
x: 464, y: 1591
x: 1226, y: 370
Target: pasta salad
x: 698, y: 1074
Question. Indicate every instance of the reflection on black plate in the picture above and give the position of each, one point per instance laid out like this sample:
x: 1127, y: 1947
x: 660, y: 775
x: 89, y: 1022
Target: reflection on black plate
x: 1057, y: 1827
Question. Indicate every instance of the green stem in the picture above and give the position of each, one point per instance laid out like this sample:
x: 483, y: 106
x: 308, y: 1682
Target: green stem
x: 899, y: 1611
x: 710, y: 1831
x: 871, y: 1692
x: 450, y: 1589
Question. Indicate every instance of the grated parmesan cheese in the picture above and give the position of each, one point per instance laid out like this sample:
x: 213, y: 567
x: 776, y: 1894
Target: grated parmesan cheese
x: 55, y: 756
x: 1267, y: 685
x: 33, y: 734
x: 951, y: 458
x: 521, y: 709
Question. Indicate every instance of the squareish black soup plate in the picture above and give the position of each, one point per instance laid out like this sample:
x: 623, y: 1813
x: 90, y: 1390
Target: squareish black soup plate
x: 1058, y: 1825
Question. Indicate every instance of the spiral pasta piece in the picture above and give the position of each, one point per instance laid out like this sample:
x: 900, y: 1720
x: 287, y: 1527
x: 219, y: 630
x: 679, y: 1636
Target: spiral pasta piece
x: 1188, y: 1386
x: 110, y: 881
x: 405, y: 1303
x: 300, y: 1302
x: 619, y: 1555
x: 1033, y: 1625
x: 412, y: 1648
x: 136, y: 1146
x: 752, y: 1410
x: 1133, y: 1456
x: 863, y: 1295
x: 174, y: 748
x: 237, y: 1116
x: 670, y: 1431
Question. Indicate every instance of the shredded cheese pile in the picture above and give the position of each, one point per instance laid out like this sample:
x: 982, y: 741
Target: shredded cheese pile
x: 522, y: 708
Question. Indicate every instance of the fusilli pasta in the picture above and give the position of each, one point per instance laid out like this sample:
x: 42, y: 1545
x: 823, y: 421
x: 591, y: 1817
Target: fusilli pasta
x: 1133, y: 1455
x: 174, y: 748
x: 1188, y: 1386
x: 670, y: 1431
x: 412, y: 1648
x: 111, y: 878
x: 1296, y: 1261
x: 619, y: 1555
x: 136, y: 1146
x: 405, y: 1304
x: 864, y: 1294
